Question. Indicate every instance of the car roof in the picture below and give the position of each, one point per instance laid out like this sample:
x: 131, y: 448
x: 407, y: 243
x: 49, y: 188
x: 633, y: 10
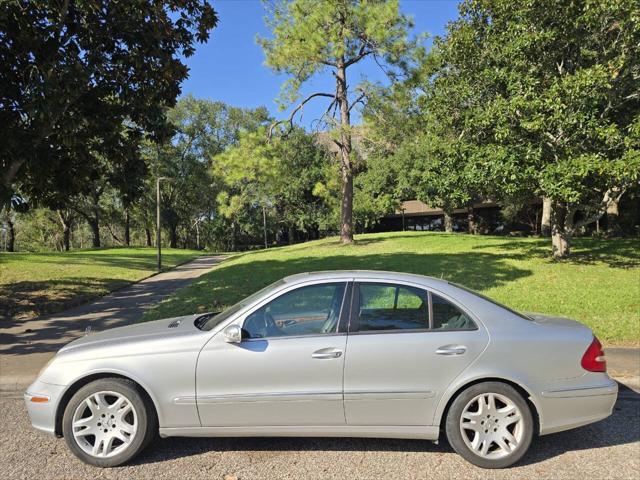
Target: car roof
x: 365, y: 274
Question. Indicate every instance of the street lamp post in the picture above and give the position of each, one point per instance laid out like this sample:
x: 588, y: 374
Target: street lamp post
x: 264, y: 226
x: 158, y: 239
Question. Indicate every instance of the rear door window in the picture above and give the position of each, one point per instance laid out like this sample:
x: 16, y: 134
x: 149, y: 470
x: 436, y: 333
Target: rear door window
x: 392, y: 307
x: 395, y: 308
x: 446, y: 316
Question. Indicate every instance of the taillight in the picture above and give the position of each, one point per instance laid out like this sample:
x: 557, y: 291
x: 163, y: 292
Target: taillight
x: 593, y: 359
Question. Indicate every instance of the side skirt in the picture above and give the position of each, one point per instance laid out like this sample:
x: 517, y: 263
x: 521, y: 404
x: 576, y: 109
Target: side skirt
x: 412, y: 432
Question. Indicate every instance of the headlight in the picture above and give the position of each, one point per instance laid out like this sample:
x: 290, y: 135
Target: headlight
x: 46, y: 365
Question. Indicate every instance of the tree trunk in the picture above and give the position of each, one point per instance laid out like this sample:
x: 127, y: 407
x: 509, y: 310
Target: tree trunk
x: 94, y: 222
x: 448, y: 221
x: 147, y: 232
x: 95, y: 231
x: 560, y: 230
x: 471, y: 219
x: 545, y: 222
x: 346, y: 167
x: 127, y: 228
x: 66, y: 238
x: 173, y: 241
x: 613, y: 228
x: 66, y: 221
x: 11, y: 236
x: 291, y: 236
x: 233, y: 236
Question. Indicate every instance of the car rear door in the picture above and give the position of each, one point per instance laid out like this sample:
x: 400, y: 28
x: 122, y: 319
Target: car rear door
x: 288, y: 369
x: 405, y: 346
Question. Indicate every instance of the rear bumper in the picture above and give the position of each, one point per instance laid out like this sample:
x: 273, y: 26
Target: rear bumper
x: 43, y: 413
x: 571, y: 408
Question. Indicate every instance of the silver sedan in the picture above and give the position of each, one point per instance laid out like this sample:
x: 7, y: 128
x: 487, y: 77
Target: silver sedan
x: 344, y: 353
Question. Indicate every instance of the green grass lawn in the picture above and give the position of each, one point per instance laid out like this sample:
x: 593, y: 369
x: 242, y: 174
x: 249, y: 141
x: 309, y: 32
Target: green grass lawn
x: 32, y: 284
x: 599, y: 286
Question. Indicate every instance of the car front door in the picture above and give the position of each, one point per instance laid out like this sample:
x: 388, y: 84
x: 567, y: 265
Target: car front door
x: 405, y: 346
x: 288, y: 368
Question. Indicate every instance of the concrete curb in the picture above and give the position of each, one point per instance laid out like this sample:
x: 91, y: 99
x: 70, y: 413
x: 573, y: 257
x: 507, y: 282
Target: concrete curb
x: 623, y: 361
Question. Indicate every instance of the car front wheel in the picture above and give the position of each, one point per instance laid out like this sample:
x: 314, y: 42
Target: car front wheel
x: 490, y: 425
x: 108, y: 422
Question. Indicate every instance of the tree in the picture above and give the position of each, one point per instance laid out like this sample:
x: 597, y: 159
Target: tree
x: 201, y: 129
x: 67, y: 219
x: 555, y: 104
x: 116, y: 175
x: 416, y: 141
x: 248, y: 171
x: 311, y: 37
x: 524, y: 99
x: 74, y: 74
x: 277, y: 176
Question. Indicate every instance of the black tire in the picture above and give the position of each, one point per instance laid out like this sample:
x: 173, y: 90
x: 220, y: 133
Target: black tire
x: 147, y: 426
x: 455, y: 435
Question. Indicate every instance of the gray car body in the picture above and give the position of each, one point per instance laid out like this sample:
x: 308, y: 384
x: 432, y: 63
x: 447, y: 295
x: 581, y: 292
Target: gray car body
x: 384, y: 385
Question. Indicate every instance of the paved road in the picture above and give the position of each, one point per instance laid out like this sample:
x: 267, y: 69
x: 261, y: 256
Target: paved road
x: 26, y: 347
x: 608, y: 449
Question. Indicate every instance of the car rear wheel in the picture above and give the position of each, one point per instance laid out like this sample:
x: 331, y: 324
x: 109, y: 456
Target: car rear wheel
x: 490, y: 425
x: 108, y: 422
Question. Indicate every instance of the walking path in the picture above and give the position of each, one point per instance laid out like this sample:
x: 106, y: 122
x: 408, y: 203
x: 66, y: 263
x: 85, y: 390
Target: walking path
x: 25, y: 348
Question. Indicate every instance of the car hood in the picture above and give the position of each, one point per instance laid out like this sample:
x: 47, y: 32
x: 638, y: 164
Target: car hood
x: 139, y: 332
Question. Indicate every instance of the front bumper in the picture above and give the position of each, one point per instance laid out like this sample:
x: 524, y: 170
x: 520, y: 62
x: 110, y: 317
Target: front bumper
x: 43, y: 413
x: 571, y: 408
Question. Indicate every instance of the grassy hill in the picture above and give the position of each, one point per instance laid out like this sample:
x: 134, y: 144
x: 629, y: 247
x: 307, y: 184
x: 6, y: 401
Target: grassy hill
x: 600, y: 285
x: 35, y: 283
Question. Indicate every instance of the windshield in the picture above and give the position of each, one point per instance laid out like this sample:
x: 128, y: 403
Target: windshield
x: 233, y: 309
x: 515, y: 312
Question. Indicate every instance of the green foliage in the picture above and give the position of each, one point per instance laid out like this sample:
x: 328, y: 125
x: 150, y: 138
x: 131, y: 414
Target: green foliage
x: 554, y: 84
x: 521, y: 99
x: 278, y: 175
x: 201, y: 129
x: 301, y: 166
x: 82, y: 80
x: 310, y: 36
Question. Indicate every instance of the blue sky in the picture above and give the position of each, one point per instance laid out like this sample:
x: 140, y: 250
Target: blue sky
x: 230, y: 67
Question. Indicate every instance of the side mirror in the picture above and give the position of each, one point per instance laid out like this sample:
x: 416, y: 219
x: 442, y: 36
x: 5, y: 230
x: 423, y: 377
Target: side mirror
x: 232, y: 334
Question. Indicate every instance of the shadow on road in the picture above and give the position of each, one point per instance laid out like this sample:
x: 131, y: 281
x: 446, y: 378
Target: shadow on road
x: 623, y: 427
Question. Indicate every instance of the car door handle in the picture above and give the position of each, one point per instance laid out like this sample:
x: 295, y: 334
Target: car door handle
x: 451, y: 350
x: 327, y: 353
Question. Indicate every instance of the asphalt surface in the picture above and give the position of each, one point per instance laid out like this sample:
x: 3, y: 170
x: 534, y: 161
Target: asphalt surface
x: 607, y: 449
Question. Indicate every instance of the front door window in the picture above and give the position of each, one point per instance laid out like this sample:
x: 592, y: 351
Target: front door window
x: 311, y: 310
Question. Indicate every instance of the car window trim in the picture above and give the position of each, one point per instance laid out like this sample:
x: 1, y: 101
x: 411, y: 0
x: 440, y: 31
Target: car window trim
x: 345, y: 309
x: 287, y: 337
x: 430, y: 310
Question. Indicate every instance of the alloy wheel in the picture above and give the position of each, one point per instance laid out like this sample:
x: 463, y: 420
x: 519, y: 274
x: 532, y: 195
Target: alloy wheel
x: 491, y: 425
x: 105, y: 424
